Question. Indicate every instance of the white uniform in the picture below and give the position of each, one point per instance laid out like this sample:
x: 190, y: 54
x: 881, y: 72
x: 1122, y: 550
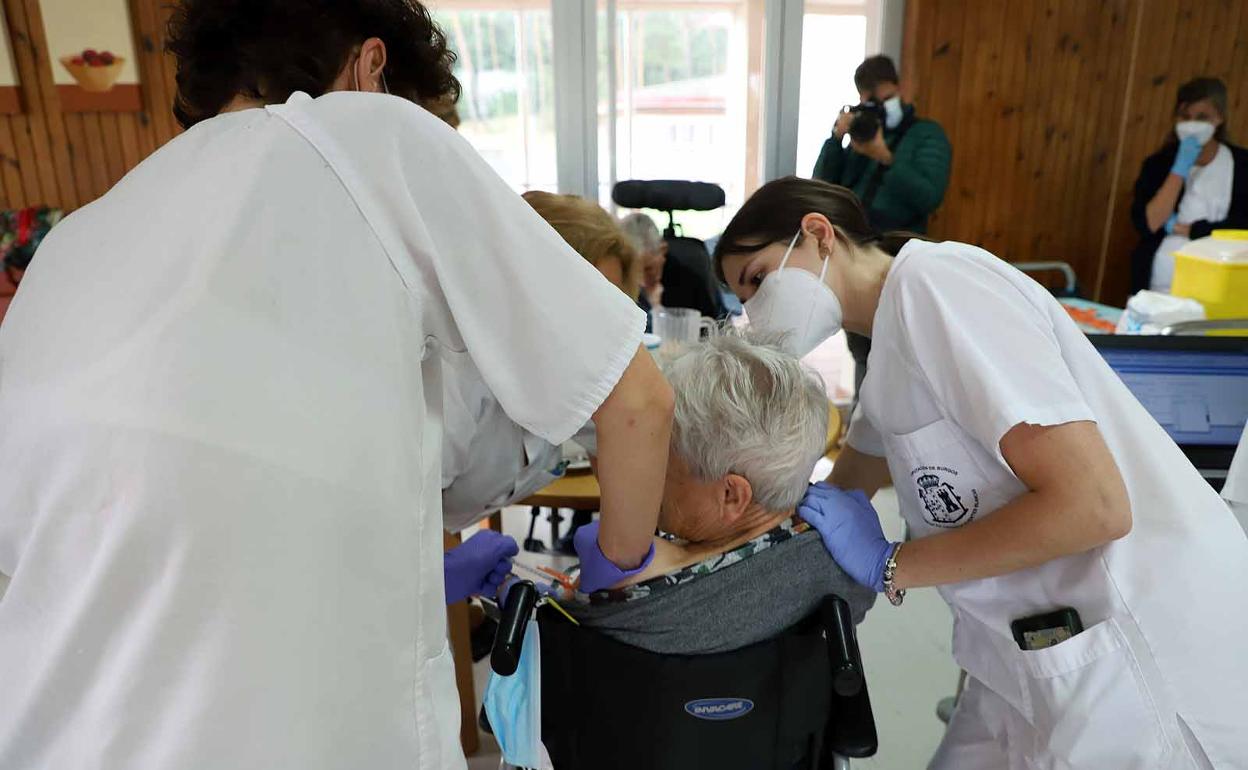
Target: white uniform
x: 488, y: 461
x: 1206, y: 196
x: 964, y: 348
x: 220, y: 455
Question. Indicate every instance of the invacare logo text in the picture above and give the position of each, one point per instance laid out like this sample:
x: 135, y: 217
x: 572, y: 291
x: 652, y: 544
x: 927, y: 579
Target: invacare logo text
x: 719, y: 709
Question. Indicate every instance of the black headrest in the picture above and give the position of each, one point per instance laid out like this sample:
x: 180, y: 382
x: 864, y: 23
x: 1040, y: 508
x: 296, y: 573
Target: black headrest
x: 668, y: 195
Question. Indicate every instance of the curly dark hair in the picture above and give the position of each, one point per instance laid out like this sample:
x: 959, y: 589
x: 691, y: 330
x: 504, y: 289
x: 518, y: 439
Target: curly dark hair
x: 269, y: 49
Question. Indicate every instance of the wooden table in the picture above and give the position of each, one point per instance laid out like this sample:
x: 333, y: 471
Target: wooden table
x: 832, y: 448
x: 577, y: 490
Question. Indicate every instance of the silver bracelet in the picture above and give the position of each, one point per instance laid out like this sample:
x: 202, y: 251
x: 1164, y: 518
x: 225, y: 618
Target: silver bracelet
x: 895, y: 595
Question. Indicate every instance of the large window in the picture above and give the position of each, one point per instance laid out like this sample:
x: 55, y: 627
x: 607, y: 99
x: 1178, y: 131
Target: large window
x: 504, y: 65
x: 680, y: 99
x: 835, y: 35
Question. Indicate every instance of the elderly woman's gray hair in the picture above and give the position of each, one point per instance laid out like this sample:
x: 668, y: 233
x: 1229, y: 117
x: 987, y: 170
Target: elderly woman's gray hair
x: 745, y: 406
x: 642, y: 231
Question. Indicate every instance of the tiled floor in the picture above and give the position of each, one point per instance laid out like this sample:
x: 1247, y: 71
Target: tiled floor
x: 906, y: 653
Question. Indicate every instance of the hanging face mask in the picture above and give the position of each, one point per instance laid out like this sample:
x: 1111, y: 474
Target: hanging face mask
x: 1203, y: 130
x: 893, y: 112
x: 798, y: 304
x: 513, y: 705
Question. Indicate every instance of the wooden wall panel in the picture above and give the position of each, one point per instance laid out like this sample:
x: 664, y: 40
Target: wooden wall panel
x: 52, y: 157
x: 1022, y: 89
x: 1052, y: 105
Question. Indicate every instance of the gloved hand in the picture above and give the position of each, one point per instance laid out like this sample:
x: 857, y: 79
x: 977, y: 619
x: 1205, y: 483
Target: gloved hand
x: 597, y: 571
x: 1189, y: 151
x: 851, y: 532
x: 478, y: 566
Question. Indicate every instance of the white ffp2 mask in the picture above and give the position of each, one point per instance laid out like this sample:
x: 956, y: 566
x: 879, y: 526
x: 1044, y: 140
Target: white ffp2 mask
x: 798, y: 304
x: 1203, y: 130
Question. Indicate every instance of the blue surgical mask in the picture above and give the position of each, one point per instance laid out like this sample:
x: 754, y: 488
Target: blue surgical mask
x: 513, y: 705
x: 892, y: 112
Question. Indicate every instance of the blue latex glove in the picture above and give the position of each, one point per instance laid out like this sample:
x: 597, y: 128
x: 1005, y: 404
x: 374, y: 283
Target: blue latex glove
x: 597, y: 571
x: 1169, y: 225
x: 478, y: 566
x: 1189, y: 151
x: 851, y: 532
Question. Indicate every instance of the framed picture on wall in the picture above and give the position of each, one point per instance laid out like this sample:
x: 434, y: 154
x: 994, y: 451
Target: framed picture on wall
x: 94, y: 61
x: 10, y: 89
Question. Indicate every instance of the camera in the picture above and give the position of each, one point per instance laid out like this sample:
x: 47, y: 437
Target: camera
x: 868, y: 117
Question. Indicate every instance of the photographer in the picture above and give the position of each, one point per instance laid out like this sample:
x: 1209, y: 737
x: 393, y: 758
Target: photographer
x: 896, y: 164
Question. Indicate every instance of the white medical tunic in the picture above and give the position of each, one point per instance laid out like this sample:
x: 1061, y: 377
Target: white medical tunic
x: 488, y: 461
x: 219, y: 463
x: 964, y: 348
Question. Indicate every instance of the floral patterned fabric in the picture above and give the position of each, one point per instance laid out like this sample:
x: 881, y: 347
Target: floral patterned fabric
x: 786, y: 530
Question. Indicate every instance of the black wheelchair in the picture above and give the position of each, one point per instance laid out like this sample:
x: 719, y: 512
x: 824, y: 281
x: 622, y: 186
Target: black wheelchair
x: 797, y: 701
x: 688, y: 280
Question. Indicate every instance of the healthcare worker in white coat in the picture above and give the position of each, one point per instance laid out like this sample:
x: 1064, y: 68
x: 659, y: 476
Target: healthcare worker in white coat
x: 488, y: 461
x: 221, y: 406
x: 1033, y: 484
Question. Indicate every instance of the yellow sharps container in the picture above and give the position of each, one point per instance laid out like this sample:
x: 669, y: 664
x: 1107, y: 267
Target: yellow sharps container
x: 1214, y: 271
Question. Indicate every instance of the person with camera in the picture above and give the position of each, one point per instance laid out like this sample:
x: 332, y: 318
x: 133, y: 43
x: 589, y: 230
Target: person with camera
x: 896, y: 163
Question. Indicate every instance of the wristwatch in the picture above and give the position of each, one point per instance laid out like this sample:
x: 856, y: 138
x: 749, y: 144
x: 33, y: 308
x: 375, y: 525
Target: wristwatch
x: 895, y: 595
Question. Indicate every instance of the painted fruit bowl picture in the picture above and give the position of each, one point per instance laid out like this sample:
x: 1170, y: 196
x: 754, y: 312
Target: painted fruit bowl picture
x: 95, y: 71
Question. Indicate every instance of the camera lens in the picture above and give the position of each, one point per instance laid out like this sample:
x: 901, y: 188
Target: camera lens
x: 864, y: 126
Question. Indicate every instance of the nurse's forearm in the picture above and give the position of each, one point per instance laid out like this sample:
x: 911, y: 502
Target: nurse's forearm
x: 634, y: 432
x: 858, y: 470
x: 1078, y: 502
x: 1026, y: 533
x: 1163, y: 202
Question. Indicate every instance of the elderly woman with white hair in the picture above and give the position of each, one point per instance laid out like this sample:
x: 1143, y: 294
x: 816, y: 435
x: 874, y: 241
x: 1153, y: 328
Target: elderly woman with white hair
x: 649, y: 244
x: 736, y: 566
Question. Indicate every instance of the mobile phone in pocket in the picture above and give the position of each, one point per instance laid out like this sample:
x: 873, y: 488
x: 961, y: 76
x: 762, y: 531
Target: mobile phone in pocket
x: 1037, y: 632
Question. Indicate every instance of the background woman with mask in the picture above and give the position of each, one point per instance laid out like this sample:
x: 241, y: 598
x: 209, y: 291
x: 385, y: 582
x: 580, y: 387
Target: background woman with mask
x: 1043, y: 500
x: 1195, y: 184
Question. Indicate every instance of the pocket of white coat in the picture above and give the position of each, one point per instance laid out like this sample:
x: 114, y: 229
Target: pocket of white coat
x: 1090, y: 705
x: 440, y: 675
x: 939, y: 482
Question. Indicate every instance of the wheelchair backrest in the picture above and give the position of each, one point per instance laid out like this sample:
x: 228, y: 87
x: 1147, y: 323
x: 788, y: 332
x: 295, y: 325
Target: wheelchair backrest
x: 606, y: 704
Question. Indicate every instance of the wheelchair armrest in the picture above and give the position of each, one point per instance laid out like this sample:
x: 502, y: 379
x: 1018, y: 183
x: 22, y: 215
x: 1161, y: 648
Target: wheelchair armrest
x: 509, y: 640
x: 843, y: 659
x: 851, y: 723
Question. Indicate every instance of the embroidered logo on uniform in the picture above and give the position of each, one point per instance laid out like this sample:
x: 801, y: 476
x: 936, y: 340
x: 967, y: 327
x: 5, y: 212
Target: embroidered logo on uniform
x: 944, y: 506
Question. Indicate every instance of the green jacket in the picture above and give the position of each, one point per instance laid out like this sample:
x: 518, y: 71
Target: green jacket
x: 911, y: 189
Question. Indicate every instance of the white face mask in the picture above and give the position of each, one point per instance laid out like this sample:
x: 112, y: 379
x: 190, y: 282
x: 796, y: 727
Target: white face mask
x: 892, y: 112
x: 1201, y: 129
x: 797, y: 303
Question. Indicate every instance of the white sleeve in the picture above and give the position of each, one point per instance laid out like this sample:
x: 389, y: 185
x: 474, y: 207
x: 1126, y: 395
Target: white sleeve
x: 549, y: 334
x: 988, y: 351
x: 504, y: 465
x: 863, y: 435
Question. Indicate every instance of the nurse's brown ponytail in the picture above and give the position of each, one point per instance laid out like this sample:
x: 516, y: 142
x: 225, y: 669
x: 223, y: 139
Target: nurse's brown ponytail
x: 774, y: 213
